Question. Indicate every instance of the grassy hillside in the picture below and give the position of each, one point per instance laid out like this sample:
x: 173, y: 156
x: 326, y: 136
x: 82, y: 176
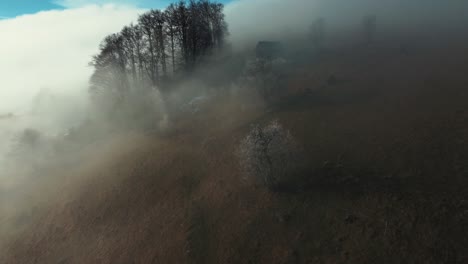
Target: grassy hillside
x: 386, y: 145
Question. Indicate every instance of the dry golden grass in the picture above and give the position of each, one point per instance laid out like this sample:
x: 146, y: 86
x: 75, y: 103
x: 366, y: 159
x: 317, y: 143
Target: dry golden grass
x: 387, y: 152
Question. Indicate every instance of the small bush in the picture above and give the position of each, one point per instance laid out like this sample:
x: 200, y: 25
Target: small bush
x: 26, y: 152
x: 269, y: 154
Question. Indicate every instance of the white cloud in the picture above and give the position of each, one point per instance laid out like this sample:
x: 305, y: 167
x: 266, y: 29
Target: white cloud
x: 81, y: 3
x: 52, y: 49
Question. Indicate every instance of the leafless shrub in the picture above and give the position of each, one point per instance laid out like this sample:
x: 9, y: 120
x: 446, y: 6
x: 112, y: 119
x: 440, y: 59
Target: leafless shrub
x: 269, y: 155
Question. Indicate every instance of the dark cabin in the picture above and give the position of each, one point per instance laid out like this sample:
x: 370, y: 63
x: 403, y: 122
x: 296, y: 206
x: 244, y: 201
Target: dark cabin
x: 269, y: 50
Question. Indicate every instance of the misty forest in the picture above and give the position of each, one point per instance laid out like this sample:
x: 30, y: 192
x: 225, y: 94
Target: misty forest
x: 238, y: 131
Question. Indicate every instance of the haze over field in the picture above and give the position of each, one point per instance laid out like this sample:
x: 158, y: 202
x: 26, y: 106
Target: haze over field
x: 52, y: 49
x: 261, y: 131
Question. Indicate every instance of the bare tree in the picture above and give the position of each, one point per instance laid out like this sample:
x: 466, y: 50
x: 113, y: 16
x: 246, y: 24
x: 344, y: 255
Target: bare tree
x: 148, y: 23
x: 171, y: 32
x: 182, y: 25
x: 160, y: 38
x: 269, y: 154
x: 318, y: 32
x: 129, y: 47
x: 110, y: 67
x: 370, y: 26
x: 219, y: 25
x: 137, y: 56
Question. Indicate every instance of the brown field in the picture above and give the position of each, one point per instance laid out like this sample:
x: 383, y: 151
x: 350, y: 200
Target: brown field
x: 387, y: 153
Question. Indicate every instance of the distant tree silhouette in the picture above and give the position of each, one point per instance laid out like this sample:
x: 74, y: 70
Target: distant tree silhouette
x: 369, y: 23
x: 170, y: 15
x: 110, y: 68
x: 317, y: 32
x: 148, y: 26
x: 139, y: 55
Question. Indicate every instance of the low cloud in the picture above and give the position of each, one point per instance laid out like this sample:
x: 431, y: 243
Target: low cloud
x: 51, y: 50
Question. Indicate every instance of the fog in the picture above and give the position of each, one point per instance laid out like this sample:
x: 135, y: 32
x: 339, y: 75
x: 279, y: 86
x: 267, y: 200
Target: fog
x: 44, y: 71
x: 48, y: 52
x: 250, y: 20
x: 44, y: 66
x: 44, y: 56
x: 51, y: 49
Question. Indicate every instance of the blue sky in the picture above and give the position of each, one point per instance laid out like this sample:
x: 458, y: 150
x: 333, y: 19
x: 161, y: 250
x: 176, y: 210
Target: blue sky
x: 13, y: 8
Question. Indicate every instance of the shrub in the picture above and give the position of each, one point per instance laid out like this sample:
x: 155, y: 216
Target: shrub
x: 26, y: 141
x: 27, y: 150
x: 269, y: 154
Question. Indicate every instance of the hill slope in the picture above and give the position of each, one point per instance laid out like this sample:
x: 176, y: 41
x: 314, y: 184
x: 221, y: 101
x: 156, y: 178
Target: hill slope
x: 387, y: 149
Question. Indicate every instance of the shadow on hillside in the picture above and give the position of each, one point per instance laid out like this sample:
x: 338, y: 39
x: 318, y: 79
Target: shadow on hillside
x: 335, y: 179
x: 359, y: 181
x: 327, y: 96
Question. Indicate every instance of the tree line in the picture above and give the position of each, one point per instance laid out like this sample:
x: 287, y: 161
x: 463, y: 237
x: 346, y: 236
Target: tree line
x: 159, y: 46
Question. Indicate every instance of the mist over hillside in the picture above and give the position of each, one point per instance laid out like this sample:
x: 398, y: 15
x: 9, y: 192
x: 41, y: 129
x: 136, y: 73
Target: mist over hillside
x: 249, y: 22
